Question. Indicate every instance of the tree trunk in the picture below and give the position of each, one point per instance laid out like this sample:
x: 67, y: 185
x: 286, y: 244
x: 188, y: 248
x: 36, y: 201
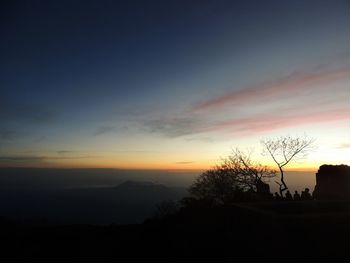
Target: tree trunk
x: 283, y: 186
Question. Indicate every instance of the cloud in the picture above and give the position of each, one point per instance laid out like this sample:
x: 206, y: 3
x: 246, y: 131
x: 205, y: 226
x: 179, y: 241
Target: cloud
x: 175, y: 127
x: 185, y: 162
x: 21, y: 158
x: 269, y: 122
x: 298, y: 99
x: 62, y: 152
x: 30, y: 158
x: 255, y: 123
x: 109, y: 129
x: 136, y: 151
x: 292, y: 84
x: 201, y: 139
x: 104, y: 130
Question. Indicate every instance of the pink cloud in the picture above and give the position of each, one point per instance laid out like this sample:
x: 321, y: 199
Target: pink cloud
x: 288, y: 85
x: 268, y: 122
x: 294, y: 101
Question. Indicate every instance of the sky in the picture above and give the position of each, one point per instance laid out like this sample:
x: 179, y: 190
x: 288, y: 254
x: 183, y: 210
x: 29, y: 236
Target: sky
x: 171, y: 84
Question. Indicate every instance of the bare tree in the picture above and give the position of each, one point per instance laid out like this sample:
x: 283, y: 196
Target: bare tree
x: 283, y: 150
x: 236, y: 174
x: 249, y: 173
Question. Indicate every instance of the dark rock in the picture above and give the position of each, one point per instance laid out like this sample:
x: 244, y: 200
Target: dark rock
x: 332, y: 182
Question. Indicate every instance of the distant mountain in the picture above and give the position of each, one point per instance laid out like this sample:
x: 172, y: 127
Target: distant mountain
x: 139, y: 184
x: 148, y: 191
x: 50, y: 178
x: 128, y: 202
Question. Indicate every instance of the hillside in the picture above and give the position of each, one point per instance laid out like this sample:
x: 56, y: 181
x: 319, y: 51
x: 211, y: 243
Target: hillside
x: 258, y: 233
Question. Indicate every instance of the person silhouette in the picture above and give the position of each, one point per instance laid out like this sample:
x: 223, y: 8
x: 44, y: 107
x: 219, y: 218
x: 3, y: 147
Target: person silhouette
x: 289, y: 196
x: 277, y: 197
x: 306, y: 194
x: 296, y: 196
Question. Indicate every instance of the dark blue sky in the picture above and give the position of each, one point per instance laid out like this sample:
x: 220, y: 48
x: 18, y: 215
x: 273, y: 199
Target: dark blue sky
x: 94, y: 77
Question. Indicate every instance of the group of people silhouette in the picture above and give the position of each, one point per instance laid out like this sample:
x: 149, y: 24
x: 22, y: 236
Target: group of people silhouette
x: 304, y: 196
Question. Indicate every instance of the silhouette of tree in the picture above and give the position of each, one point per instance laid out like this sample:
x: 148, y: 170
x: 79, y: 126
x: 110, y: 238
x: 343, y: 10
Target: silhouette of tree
x: 285, y: 149
x: 236, y: 175
x: 248, y: 173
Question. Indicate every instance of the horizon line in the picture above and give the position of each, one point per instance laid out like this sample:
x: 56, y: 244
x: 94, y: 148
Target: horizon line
x: 306, y: 169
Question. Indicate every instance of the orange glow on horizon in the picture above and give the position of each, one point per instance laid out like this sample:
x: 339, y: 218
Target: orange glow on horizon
x: 195, y: 166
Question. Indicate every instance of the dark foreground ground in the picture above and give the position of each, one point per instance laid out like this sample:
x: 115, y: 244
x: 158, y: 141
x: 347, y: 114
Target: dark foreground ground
x: 260, y: 232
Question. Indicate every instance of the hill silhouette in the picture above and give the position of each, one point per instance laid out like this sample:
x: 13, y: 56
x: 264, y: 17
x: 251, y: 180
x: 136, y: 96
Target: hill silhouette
x: 128, y: 202
x: 249, y: 232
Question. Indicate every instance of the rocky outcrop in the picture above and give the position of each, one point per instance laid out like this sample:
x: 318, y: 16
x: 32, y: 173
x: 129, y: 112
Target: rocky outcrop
x: 332, y: 182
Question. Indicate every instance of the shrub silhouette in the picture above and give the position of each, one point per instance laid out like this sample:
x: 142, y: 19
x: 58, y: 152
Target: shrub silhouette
x: 238, y: 177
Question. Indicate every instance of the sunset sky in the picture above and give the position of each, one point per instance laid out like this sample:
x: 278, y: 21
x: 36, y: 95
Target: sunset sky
x: 171, y: 84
